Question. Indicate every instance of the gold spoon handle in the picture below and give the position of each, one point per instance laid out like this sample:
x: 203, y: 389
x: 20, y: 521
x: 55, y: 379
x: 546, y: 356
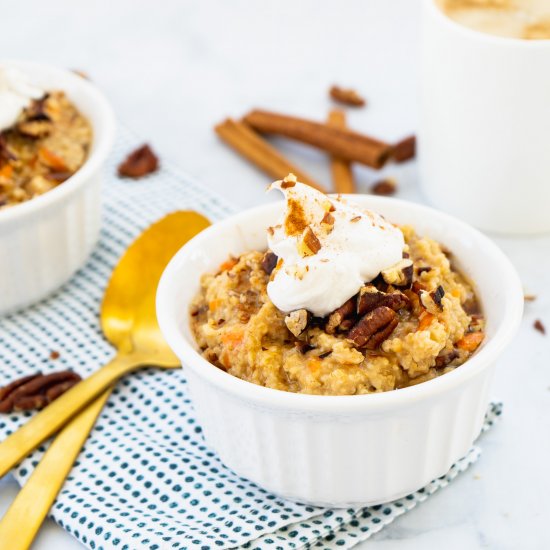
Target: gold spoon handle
x: 51, y: 419
x: 24, y: 517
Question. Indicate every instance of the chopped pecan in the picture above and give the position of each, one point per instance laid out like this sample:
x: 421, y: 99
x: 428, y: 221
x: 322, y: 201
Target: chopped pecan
x: 297, y: 321
x: 444, y: 359
x: 437, y: 295
x: 54, y: 354
x: 370, y: 298
x: 37, y: 109
x: 35, y: 391
x: 289, y: 181
x: 139, y: 163
x: 423, y: 269
x: 5, y: 153
x: 303, y: 347
x: 399, y: 275
x: 433, y: 298
x: 384, y: 187
x: 269, y: 261
x: 328, y: 219
x: 338, y: 316
x: 539, y: 326
x: 373, y: 328
x: 309, y: 245
x: 347, y: 96
x: 34, y: 128
x: 405, y: 149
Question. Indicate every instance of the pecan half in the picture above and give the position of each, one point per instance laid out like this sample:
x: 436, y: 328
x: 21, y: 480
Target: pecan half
x: 139, y: 163
x: 35, y: 391
x: 399, y: 275
x: 269, y: 261
x: 373, y: 328
x: 338, y: 316
x: 404, y: 149
x: 347, y: 96
x: 297, y: 321
x: 370, y: 298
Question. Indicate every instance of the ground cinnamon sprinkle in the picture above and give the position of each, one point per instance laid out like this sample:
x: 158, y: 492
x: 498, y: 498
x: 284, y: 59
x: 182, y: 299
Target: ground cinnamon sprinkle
x: 295, y: 221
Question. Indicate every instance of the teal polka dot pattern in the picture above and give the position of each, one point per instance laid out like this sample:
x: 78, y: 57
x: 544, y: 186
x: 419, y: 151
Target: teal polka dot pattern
x: 146, y: 478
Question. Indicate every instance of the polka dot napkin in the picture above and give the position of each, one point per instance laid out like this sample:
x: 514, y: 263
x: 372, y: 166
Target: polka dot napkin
x: 145, y: 478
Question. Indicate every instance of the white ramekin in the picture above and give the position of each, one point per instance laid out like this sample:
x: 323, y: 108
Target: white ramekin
x: 344, y: 450
x: 45, y: 240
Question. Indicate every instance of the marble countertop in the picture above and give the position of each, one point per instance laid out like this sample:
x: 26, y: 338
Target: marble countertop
x: 174, y: 69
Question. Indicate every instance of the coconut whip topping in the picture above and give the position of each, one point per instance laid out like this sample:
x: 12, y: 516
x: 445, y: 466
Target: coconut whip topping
x: 328, y: 249
x: 16, y: 94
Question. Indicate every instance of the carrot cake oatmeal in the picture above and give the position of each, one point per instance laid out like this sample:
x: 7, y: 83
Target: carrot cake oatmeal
x: 44, y: 139
x: 342, y: 303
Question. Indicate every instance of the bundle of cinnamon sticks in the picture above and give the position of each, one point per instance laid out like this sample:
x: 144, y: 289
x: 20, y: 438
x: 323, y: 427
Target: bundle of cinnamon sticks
x: 345, y: 146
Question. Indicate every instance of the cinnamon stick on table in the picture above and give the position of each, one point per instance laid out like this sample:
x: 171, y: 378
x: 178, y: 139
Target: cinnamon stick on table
x: 341, y: 142
x: 253, y: 147
x: 342, y: 175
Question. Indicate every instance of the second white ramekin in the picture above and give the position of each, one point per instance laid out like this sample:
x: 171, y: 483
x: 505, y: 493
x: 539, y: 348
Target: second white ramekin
x: 344, y: 450
x: 44, y: 241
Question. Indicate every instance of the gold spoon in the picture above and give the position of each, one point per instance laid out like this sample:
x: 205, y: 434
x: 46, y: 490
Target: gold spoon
x: 129, y: 322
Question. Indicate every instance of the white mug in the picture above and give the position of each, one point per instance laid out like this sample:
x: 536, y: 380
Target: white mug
x: 484, y: 132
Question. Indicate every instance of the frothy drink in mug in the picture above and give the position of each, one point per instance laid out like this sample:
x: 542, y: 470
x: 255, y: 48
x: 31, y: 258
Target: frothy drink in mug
x: 484, y: 124
x: 526, y: 19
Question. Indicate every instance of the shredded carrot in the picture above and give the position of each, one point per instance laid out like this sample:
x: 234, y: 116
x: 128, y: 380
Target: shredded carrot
x: 6, y: 171
x: 314, y: 364
x: 52, y: 160
x: 471, y: 341
x: 426, y: 319
x: 215, y: 304
x: 228, y: 264
x: 233, y: 338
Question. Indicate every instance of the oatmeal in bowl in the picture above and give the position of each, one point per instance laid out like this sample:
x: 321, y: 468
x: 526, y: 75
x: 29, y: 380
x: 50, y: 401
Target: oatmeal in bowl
x: 44, y: 138
x: 350, y: 304
x: 56, y: 130
x: 347, y: 367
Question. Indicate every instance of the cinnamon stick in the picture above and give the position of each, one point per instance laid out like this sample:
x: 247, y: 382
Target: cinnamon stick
x: 341, y: 142
x: 342, y: 175
x: 253, y: 147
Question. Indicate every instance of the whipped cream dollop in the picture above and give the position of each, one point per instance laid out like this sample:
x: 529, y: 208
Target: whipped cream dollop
x: 327, y: 248
x: 16, y: 94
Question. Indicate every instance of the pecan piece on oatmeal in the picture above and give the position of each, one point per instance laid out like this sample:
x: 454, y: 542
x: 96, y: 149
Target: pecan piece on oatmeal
x: 433, y: 298
x: 444, y: 359
x: 399, y: 275
x: 373, y: 328
x: 35, y: 391
x: 269, y: 262
x: 138, y: 163
x: 297, y: 321
x: 370, y: 298
x: 337, y: 318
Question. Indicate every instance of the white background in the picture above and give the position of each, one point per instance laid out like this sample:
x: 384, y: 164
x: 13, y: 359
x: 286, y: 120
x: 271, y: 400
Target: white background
x: 172, y: 69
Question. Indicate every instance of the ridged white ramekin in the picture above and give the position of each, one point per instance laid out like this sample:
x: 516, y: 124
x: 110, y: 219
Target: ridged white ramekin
x: 44, y: 241
x: 344, y: 450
